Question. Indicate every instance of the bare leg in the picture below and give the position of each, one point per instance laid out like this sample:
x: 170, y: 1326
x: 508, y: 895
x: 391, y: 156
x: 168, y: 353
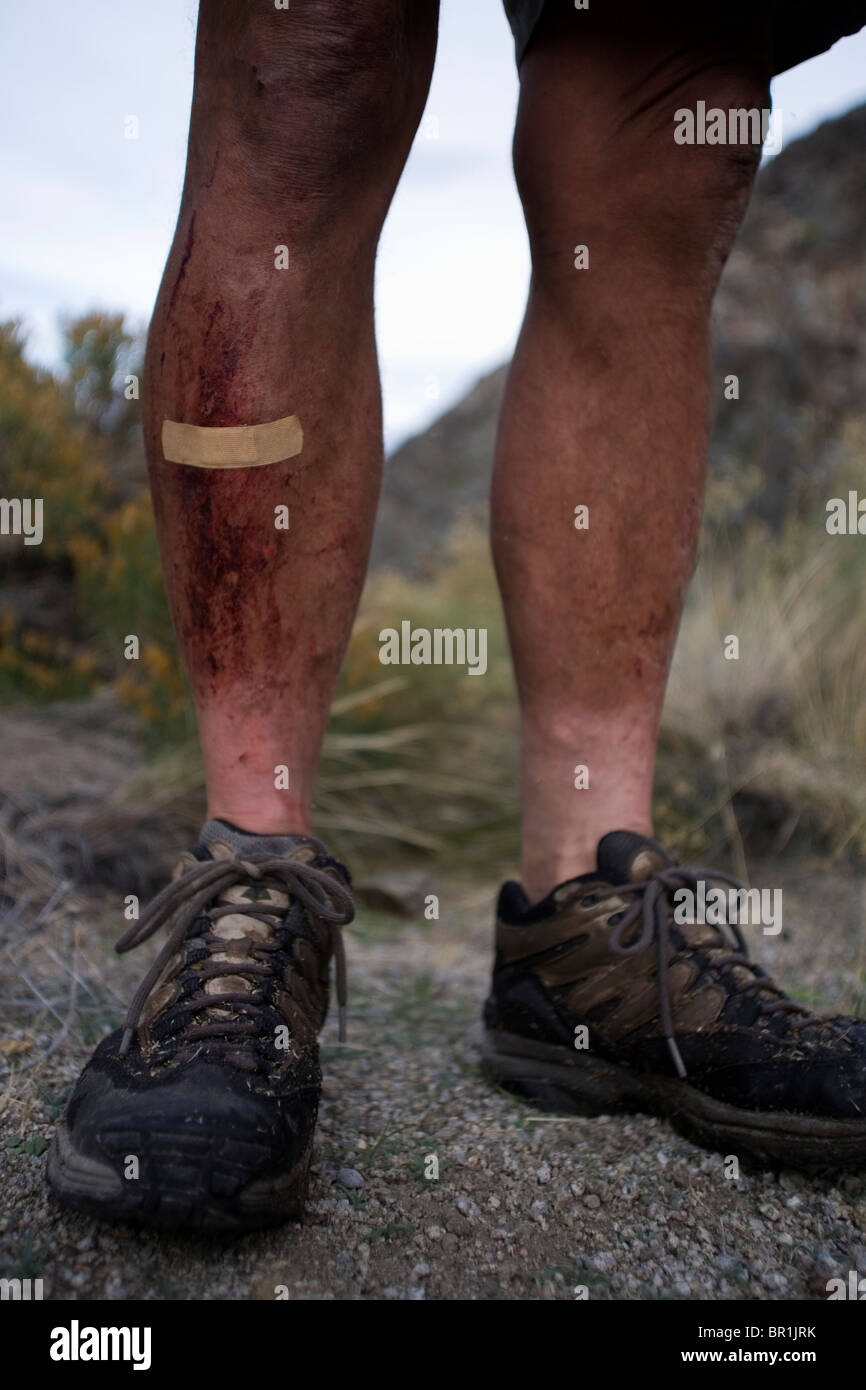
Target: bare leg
x: 607, y: 402
x: 301, y: 122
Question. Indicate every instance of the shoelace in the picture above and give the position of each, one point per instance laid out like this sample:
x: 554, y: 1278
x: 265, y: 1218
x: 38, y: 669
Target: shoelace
x: 194, y: 893
x: 654, y: 911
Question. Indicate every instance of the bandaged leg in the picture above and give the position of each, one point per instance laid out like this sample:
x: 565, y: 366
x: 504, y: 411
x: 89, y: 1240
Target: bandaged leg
x: 262, y: 410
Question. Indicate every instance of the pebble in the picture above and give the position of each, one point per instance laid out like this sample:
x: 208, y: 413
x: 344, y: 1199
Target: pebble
x: 350, y: 1177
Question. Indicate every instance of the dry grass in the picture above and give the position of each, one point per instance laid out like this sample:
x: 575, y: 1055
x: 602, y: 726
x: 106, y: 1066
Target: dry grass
x: 785, y: 724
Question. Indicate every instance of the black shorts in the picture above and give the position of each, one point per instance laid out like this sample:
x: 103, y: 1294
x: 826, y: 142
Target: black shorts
x: 799, y: 28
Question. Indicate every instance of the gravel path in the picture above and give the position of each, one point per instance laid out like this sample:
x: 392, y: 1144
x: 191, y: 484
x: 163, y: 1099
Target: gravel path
x: 523, y: 1206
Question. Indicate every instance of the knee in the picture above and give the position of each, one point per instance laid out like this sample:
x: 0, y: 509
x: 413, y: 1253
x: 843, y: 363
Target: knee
x: 317, y: 105
x: 652, y: 214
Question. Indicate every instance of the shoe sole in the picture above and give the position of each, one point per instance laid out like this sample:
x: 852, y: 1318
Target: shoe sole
x: 575, y: 1083
x: 187, y: 1178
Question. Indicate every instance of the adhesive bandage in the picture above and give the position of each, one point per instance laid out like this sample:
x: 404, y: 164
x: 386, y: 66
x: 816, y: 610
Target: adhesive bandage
x: 234, y: 446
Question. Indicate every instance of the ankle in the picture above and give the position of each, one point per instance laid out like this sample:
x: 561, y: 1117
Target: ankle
x: 289, y: 818
x: 540, y: 877
x: 546, y: 865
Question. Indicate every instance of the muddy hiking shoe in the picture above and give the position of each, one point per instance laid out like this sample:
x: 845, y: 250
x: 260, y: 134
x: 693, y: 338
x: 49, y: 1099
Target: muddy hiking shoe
x: 601, y: 1003
x: 200, y: 1111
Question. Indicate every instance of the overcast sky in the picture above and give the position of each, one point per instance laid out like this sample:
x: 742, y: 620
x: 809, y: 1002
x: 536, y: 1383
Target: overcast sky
x: 89, y: 215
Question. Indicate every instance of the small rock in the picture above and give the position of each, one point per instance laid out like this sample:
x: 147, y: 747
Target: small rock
x: 604, y: 1262
x: 350, y: 1177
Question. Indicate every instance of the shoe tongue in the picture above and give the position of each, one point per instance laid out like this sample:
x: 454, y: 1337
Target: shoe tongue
x: 626, y: 857
x: 222, y: 840
x: 218, y: 833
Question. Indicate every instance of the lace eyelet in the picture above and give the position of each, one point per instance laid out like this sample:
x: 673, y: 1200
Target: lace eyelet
x: 617, y: 917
